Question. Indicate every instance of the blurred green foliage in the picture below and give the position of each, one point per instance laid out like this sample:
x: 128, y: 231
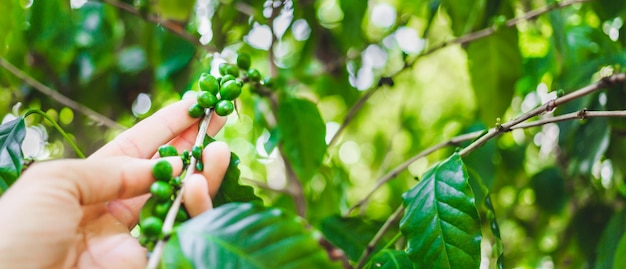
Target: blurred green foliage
x: 554, y: 188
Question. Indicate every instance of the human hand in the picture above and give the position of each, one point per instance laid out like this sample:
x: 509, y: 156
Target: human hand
x: 78, y: 213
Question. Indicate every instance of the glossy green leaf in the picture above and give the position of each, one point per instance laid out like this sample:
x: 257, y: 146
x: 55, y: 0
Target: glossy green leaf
x: 246, y: 235
x: 12, y: 135
x: 303, y: 135
x: 349, y: 234
x: 495, y: 64
x: 596, y: 134
x: 231, y: 189
x: 441, y: 223
x: 611, y: 238
x: 391, y: 259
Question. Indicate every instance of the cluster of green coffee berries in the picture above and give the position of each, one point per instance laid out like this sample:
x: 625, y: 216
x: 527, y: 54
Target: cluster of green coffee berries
x: 218, y: 94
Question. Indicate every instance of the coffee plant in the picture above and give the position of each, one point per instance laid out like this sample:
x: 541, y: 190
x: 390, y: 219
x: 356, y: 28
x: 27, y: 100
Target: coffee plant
x: 364, y: 134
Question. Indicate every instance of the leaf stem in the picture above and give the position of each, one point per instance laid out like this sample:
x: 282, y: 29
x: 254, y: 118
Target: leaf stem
x: 485, y: 135
x: 549, y: 106
x: 379, y: 235
x: 168, y: 224
x: 58, y: 128
x: 62, y: 99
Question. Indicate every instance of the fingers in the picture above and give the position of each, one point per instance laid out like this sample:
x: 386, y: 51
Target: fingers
x: 196, y: 195
x: 187, y: 138
x: 199, y: 189
x: 215, y: 158
x: 145, y: 137
x: 95, y: 181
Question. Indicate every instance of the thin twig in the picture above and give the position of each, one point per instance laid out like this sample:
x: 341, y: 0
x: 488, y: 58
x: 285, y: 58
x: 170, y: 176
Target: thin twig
x: 379, y: 235
x: 484, y: 135
x: 155, y: 19
x: 462, y: 40
x: 582, y: 114
x: 549, y: 106
x: 455, y: 141
x: 168, y: 224
x: 473, y: 36
x: 62, y: 99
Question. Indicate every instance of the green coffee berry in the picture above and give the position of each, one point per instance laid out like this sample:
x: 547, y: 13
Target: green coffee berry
x: 196, y: 111
x: 196, y: 152
x: 161, y: 190
x: 162, y: 170
x: 206, y: 99
x: 167, y: 150
x: 151, y: 227
x: 209, y: 83
x: 160, y: 210
x: 182, y: 214
x: 176, y: 182
x: 228, y: 69
x: 254, y: 75
x: 224, y: 108
x: 226, y: 78
x: 199, y: 166
x: 230, y: 90
x: 243, y: 61
x: 268, y: 82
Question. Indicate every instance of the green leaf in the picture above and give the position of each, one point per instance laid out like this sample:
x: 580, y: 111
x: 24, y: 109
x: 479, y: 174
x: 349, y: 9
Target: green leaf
x: 549, y: 187
x: 391, y: 259
x: 596, y: 133
x: 231, y: 189
x: 495, y: 64
x: 441, y: 222
x: 246, y: 235
x: 303, y: 134
x: 620, y: 252
x: 12, y: 135
x: 349, y: 234
x: 607, y: 248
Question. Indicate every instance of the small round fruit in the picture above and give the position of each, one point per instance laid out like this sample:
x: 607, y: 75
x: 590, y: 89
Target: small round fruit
x: 151, y: 227
x: 208, y: 83
x: 230, y: 90
x: 176, y: 182
x: 199, y: 166
x: 243, y: 61
x: 229, y: 69
x: 160, y: 210
x: 225, y: 79
x: 268, y: 82
x: 224, y: 107
x: 161, y: 190
x: 167, y: 150
x: 162, y: 170
x: 206, y: 99
x: 196, y: 111
x: 196, y: 152
x: 254, y: 75
x: 182, y: 214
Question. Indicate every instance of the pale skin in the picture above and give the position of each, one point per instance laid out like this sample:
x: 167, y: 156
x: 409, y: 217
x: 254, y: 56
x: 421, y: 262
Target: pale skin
x: 78, y: 213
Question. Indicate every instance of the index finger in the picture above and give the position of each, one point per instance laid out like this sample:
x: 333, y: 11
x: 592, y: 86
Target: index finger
x: 145, y: 137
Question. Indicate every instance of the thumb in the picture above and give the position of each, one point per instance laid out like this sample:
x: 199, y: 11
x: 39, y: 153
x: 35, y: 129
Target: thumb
x: 92, y: 181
